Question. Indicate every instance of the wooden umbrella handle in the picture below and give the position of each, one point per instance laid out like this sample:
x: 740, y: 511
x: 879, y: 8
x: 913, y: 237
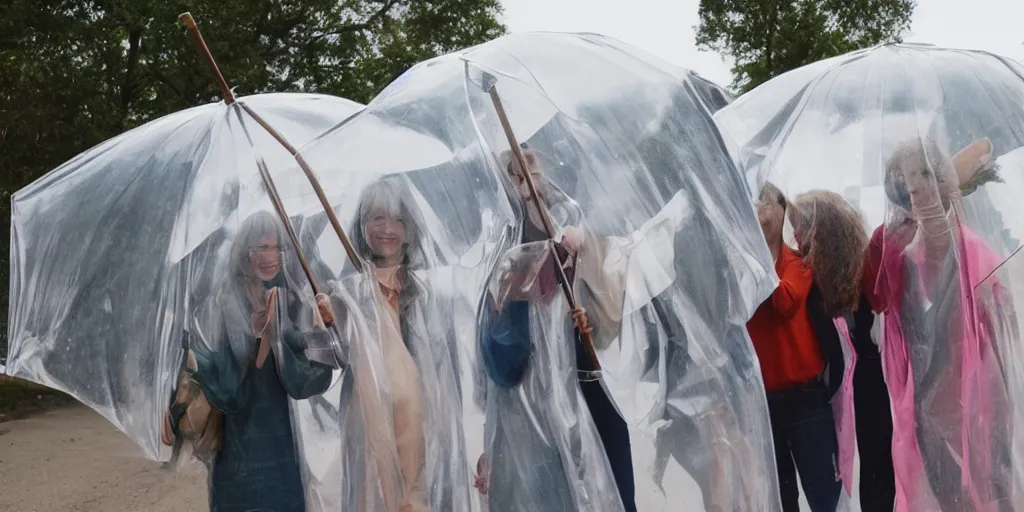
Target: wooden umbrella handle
x: 517, y: 153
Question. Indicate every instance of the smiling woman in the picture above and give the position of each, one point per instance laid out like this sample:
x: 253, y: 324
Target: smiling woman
x: 265, y: 258
x: 385, y: 230
x: 249, y: 359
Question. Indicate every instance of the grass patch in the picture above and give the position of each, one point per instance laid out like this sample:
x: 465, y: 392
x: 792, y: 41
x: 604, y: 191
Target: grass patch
x: 19, y: 398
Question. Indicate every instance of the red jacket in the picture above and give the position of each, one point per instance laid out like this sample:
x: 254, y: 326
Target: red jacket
x: 781, y: 328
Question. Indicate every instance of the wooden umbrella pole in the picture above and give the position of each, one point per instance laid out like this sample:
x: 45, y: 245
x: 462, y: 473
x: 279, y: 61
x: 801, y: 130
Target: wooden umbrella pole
x: 268, y: 181
x: 190, y: 24
x: 517, y: 153
x: 314, y: 182
x: 279, y: 207
x: 229, y: 98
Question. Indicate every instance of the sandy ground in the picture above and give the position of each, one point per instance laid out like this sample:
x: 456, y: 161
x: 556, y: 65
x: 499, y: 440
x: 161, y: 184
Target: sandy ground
x: 71, y: 459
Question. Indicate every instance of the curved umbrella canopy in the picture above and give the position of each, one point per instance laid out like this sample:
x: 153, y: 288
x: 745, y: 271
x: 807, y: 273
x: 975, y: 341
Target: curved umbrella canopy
x: 715, y: 96
x: 925, y: 143
x: 109, y: 250
x: 632, y: 143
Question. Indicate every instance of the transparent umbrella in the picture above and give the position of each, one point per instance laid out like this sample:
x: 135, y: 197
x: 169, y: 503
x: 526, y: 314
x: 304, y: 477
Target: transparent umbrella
x: 631, y: 148
x: 110, y: 251
x: 925, y: 143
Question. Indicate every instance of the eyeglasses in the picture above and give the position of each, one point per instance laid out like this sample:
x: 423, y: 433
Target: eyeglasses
x: 265, y: 250
x: 380, y: 220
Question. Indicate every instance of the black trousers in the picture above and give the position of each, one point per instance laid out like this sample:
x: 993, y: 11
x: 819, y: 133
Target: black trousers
x: 804, y: 433
x: 874, y: 436
x: 615, y: 436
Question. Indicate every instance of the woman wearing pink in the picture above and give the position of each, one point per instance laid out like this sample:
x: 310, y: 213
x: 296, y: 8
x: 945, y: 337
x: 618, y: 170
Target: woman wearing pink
x: 929, y: 274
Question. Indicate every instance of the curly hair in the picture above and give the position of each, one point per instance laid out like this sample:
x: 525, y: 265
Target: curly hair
x: 833, y: 246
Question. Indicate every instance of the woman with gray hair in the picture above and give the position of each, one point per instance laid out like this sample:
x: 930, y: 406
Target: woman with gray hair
x: 247, y: 361
x: 402, y: 429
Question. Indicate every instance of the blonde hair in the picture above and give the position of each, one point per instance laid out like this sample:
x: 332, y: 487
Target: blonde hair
x: 927, y: 156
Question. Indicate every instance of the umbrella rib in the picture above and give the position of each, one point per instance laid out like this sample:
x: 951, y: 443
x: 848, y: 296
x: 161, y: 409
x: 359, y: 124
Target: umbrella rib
x: 229, y: 98
x: 313, y: 181
x: 279, y: 206
x: 275, y: 198
x: 517, y: 152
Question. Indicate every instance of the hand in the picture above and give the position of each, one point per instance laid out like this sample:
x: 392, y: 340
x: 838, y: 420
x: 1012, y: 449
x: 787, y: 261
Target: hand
x: 323, y: 306
x: 580, y: 320
x: 572, y: 240
x: 167, y: 431
x: 262, y: 321
x: 483, y: 475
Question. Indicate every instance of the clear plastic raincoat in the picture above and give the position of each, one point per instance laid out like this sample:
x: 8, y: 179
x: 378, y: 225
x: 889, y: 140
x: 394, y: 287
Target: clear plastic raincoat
x: 642, y: 171
x: 135, y: 288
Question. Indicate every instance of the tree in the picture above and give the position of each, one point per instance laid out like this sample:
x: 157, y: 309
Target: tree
x: 76, y: 72
x: 766, y: 38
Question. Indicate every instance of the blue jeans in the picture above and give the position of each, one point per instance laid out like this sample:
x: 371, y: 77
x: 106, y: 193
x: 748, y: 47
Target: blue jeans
x: 804, y: 433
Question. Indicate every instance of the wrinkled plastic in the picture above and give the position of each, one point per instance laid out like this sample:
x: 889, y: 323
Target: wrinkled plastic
x: 628, y: 156
x: 925, y: 142
x: 428, y: 192
x: 256, y: 346
x: 843, y: 409
x: 120, y: 256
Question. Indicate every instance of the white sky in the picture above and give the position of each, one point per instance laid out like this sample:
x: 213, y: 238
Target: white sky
x: 665, y: 28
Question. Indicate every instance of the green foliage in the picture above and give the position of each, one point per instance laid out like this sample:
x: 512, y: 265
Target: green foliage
x: 766, y: 38
x: 19, y: 398
x: 76, y: 72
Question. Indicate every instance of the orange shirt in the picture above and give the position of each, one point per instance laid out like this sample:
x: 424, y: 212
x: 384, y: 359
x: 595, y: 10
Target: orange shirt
x: 781, y: 330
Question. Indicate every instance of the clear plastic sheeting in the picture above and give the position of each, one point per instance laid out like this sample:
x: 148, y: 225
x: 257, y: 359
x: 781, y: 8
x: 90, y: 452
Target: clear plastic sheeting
x: 132, y: 251
x: 926, y: 143
x: 256, y: 345
x: 671, y: 264
x: 425, y: 215
x: 635, y: 151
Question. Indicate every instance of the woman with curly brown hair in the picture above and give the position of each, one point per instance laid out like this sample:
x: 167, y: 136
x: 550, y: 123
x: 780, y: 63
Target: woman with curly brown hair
x: 787, y: 343
x: 832, y: 239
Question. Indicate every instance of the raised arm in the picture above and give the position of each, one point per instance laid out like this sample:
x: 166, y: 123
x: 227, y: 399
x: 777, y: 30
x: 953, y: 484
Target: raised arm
x: 301, y: 377
x: 795, y: 281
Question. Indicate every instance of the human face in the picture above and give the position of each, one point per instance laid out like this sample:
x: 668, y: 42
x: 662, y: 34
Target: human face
x: 515, y: 173
x: 923, y: 185
x: 265, y: 258
x: 385, y: 234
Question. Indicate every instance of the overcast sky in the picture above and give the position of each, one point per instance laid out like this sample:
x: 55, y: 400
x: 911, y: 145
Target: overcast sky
x: 666, y: 27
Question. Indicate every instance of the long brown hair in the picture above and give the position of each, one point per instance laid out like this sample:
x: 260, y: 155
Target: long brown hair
x: 833, y: 246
